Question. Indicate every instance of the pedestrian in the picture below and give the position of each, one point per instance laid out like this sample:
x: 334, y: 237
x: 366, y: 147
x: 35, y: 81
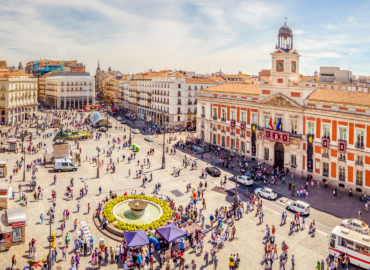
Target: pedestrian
x: 366, y: 207
x: 293, y: 262
x: 215, y: 262
x: 42, y: 218
x: 14, y: 263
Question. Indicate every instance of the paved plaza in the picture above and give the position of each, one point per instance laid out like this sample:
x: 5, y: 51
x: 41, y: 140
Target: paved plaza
x: 249, y: 240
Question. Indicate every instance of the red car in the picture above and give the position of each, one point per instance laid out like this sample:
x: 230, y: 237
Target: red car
x: 79, y: 110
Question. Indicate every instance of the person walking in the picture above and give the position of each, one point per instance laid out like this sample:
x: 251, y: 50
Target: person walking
x: 215, y: 262
x: 42, y: 218
x: 14, y: 263
x: 293, y: 262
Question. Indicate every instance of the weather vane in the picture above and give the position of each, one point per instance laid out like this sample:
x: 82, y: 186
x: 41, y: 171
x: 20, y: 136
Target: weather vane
x: 285, y: 20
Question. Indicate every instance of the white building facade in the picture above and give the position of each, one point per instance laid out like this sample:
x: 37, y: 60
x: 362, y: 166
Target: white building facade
x: 65, y: 90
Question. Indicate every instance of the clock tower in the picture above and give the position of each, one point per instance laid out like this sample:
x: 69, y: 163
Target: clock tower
x: 285, y: 59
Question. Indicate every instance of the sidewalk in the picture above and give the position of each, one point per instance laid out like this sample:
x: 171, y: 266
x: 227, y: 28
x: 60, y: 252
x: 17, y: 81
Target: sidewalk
x: 319, y: 198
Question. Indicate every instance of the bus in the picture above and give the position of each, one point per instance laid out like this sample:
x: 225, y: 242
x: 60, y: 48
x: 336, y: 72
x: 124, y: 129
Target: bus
x: 88, y: 108
x: 354, y: 244
x: 113, y: 110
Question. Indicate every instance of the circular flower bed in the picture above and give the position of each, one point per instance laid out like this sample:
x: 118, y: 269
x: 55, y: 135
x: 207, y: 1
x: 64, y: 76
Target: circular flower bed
x: 108, y: 214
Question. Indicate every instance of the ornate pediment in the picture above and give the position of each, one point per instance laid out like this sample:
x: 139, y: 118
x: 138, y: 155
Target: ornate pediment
x: 279, y: 100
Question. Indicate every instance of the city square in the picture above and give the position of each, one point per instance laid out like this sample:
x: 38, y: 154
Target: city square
x: 250, y: 234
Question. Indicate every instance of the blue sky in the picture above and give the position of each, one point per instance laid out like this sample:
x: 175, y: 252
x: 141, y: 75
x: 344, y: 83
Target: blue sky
x: 196, y: 35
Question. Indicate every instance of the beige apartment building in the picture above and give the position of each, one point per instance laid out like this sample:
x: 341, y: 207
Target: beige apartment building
x: 18, y: 97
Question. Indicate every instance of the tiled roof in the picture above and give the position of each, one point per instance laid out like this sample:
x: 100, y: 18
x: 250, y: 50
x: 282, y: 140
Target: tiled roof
x: 200, y: 81
x: 69, y: 73
x: 15, y: 74
x: 232, y: 76
x: 341, y: 97
x: 220, y: 79
x: 173, y: 74
x: 237, y: 88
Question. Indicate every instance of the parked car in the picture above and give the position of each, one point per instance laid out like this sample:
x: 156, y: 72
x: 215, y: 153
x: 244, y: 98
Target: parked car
x: 245, y: 180
x: 123, y: 122
x: 213, y: 171
x: 149, y: 139
x: 299, y: 207
x: 355, y: 225
x: 103, y: 129
x: 119, y: 118
x: 266, y: 192
x: 136, y: 131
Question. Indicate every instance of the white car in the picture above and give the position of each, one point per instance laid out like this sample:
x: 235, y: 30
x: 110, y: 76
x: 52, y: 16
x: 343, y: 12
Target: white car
x: 119, y: 118
x: 136, y: 131
x: 299, y: 207
x: 355, y: 225
x: 149, y: 139
x: 266, y: 192
x: 245, y: 180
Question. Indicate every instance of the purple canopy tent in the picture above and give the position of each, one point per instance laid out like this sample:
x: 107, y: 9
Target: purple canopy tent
x: 136, y: 239
x: 171, y: 233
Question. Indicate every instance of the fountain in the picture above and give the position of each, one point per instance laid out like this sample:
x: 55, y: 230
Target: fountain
x: 137, y: 207
x: 137, y: 211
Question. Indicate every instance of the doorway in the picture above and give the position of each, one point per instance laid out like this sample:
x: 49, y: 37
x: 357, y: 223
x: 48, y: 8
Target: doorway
x: 279, y: 155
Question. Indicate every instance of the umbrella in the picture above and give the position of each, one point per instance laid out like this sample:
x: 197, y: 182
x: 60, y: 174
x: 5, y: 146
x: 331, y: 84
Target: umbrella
x: 171, y: 232
x: 136, y: 239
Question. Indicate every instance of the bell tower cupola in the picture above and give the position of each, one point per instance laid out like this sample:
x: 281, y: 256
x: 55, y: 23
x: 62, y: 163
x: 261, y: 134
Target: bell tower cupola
x: 285, y: 37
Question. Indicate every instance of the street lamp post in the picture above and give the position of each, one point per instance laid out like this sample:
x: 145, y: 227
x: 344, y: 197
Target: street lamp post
x: 98, y: 165
x: 202, y: 135
x: 24, y: 159
x: 164, y: 141
x: 236, y: 197
x: 50, y: 239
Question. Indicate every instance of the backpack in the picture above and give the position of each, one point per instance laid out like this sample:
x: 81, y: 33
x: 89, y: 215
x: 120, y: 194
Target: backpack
x: 263, y: 214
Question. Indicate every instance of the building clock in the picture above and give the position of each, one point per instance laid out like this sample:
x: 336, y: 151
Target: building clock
x: 279, y: 65
x: 294, y: 66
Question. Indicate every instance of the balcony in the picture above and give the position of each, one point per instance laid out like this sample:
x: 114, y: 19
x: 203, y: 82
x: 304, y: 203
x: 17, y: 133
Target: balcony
x: 2, y: 98
x: 214, y: 129
x: 325, y: 174
x: 294, y: 165
x: 178, y: 103
x: 202, y: 126
x: 359, y: 145
x: 325, y: 155
x: 341, y: 178
x: 215, y: 117
x: 242, y: 136
x: 223, y: 130
x: 342, y: 158
x: 298, y: 136
x: 190, y: 103
x: 223, y: 119
x: 232, y: 133
x: 195, y: 103
x: 359, y: 162
x: 203, y: 115
x: 260, y: 128
x: 223, y: 144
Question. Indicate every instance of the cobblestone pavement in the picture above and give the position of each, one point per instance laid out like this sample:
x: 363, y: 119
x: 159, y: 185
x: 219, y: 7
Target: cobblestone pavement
x: 249, y: 237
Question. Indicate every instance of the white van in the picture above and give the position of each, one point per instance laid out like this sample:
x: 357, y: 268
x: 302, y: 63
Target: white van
x: 65, y: 165
x: 299, y: 207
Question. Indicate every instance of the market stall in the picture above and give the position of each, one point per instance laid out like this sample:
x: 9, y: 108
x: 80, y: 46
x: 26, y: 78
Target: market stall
x: 170, y: 234
x: 134, y: 240
x: 3, y: 167
x: 12, y: 145
x: 5, y: 194
x: 5, y: 233
x: 16, y: 218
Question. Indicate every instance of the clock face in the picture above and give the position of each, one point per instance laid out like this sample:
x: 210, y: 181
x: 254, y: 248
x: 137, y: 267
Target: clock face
x: 294, y: 66
x: 279, y: 65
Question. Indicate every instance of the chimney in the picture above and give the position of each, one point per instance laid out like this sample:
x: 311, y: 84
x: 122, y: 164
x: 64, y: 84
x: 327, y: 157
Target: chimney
x: 240, y: 73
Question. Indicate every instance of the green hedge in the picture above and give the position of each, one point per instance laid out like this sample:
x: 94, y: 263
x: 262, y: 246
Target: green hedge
x: 108, y: 214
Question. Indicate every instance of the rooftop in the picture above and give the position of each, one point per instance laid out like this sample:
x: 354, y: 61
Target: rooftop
x: 341, y: 97
x: 200, y: 81
x: 237, y: 88
x: 69, y: 73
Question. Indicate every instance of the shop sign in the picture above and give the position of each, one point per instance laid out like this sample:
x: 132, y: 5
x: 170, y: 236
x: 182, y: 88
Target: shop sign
x: 18, y: 224
x: 3, y: 192
x: 277, y: 136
